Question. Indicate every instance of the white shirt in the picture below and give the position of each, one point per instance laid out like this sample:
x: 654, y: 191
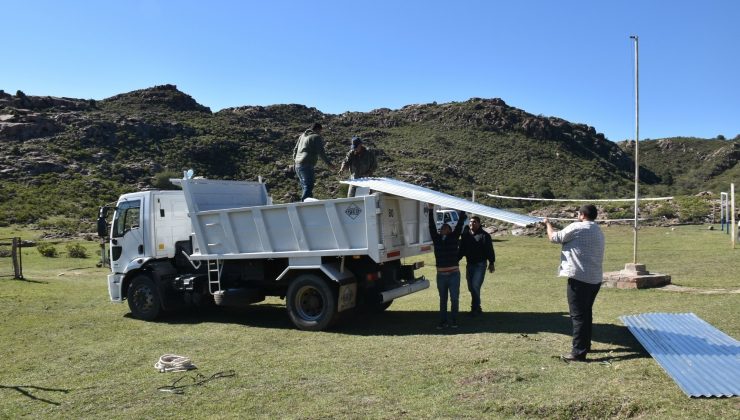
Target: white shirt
x: 582, y: 256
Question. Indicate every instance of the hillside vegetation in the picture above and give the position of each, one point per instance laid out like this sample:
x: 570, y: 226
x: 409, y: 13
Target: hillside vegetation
x: 60, y: 158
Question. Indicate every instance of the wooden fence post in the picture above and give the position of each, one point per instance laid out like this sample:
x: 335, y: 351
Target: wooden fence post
x: 17, y: 258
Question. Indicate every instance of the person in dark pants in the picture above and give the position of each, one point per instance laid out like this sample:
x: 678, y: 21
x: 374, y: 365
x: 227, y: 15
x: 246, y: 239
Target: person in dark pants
x: 307, y: 150
x: 581, y: 261
x: 446, y: 249
x: 476, y: 246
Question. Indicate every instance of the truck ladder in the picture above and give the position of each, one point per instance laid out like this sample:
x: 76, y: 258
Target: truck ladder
x: 214, y: 269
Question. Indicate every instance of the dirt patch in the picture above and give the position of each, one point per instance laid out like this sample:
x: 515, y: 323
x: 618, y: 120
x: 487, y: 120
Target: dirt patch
x: 495, y: 376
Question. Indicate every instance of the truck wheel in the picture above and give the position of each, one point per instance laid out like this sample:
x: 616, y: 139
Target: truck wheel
x: 143, y: 298
x: 312, y: 304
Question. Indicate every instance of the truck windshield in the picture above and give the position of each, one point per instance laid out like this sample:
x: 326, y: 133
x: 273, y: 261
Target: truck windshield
x: 126, y: 217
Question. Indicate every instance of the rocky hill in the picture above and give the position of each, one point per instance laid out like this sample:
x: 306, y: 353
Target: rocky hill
x: 62, y: 157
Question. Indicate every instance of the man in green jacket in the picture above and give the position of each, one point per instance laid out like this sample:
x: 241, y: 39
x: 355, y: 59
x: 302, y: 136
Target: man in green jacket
x: 308, y: 148
x: 360, y: 161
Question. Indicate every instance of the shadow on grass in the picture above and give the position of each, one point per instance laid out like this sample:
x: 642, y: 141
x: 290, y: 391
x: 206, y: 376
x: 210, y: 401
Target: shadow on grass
x: 24, y: 389
x: 25, y: 280
x: 408, y: 323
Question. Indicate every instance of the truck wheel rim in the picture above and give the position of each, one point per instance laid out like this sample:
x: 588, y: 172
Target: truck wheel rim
x: 144, y: 299
x: 309, y: 303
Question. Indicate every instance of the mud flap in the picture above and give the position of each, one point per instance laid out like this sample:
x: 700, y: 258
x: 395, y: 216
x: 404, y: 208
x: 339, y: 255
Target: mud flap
x: 347, y: 297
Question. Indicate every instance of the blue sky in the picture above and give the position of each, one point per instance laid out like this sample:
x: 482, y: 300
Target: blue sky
x: 570, y: 59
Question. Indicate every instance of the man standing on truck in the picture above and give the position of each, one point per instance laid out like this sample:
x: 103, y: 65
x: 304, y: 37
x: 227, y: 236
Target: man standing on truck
x: 307, y: 150
x: 360, y: 161
x: 446, y: 243
x: 581, y: 261
x: 476, y: 246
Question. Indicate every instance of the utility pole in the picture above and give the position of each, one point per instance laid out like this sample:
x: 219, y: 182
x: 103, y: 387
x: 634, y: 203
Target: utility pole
x: 637, y: 149
x: 733, y: 226
x: 634, y: 275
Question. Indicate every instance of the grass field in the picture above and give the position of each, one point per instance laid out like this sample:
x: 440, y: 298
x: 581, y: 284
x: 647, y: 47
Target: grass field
x: 67, y: 352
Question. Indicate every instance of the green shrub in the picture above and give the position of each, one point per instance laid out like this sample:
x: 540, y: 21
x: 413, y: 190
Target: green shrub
x: 161, y: 180
x: 47, y: 250
x: 621, y: 214
x: 76, y: 251
x: 666, y: 210
x: 692, y: 209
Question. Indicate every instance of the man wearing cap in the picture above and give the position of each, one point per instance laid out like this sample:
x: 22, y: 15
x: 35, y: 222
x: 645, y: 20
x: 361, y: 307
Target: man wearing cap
x: 308, y: 149
x: 360, y: 161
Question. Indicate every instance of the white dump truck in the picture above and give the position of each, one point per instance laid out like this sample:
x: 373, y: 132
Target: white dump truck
x: 226, y: 243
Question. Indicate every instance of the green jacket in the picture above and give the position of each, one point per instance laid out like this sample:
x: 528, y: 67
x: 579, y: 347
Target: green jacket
x: 360, y: 165
x: 308, y: 148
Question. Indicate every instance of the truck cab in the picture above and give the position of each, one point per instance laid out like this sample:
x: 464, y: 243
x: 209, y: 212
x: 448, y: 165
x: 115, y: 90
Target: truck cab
x: 146, y: 226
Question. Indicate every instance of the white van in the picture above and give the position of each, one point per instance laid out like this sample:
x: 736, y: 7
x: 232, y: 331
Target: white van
x: 446, y: 216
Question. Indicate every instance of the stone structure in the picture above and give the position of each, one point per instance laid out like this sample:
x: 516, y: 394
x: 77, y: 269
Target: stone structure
x: 635, y: 276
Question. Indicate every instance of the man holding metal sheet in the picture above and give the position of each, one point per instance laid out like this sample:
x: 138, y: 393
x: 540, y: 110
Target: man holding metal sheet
x: 581, y: 261
x: 446, y: 248
x: 360, y: 161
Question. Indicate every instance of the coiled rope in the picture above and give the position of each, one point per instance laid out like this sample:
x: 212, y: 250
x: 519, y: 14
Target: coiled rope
x: 174, y: 363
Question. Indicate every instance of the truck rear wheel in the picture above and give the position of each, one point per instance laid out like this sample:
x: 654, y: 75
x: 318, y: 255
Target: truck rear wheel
x: 312, y: 303
x: 143, y: 298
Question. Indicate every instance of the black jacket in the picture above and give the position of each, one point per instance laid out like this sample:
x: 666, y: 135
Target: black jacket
x: 477, y: 247
x: 446, y: 249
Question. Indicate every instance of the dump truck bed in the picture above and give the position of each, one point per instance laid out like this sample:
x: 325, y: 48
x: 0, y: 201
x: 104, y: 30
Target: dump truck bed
x: 236, y: 220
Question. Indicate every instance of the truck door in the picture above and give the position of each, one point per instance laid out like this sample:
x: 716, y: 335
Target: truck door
x: 127, y: 238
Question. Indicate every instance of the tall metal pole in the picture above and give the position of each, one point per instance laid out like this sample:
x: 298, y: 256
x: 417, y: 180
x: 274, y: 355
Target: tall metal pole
x: 637, y: 148
x: 733, y: 226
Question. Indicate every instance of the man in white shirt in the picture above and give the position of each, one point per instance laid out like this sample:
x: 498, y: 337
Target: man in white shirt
x: 581, y: 261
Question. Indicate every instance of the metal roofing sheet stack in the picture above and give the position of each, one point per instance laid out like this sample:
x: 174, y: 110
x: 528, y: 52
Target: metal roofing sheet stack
x: 415, y: 192
x: 704, y: 361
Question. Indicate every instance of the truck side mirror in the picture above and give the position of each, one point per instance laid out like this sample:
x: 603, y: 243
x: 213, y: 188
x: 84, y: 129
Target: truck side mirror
x: 102, y: 227
x: 102, y: 224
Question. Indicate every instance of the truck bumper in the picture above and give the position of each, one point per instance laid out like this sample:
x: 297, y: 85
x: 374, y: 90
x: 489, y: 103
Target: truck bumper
x: 115, y: 283
x: 419, y: 285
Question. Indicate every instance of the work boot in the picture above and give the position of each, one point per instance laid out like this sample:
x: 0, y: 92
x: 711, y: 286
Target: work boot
x: 570, y: 357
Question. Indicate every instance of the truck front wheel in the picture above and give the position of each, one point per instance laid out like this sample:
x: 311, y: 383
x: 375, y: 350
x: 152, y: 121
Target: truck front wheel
x: 312, y: 304
x: 143, y: 298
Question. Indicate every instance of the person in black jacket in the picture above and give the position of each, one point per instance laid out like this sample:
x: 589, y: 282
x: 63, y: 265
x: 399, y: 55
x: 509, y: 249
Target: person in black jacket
x: 446, y: 250
x: 476, y: 246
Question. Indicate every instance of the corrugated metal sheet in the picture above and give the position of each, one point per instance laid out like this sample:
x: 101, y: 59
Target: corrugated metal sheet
x: 704, y: 361
x: 415, y: 192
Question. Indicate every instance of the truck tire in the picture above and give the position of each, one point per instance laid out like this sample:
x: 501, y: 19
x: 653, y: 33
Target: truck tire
x: 143, y: 298
x: 311, y: 303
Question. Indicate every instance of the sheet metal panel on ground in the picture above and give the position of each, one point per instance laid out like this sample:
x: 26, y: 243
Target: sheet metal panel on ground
x: 415, y: 192
x: 704, y: 361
